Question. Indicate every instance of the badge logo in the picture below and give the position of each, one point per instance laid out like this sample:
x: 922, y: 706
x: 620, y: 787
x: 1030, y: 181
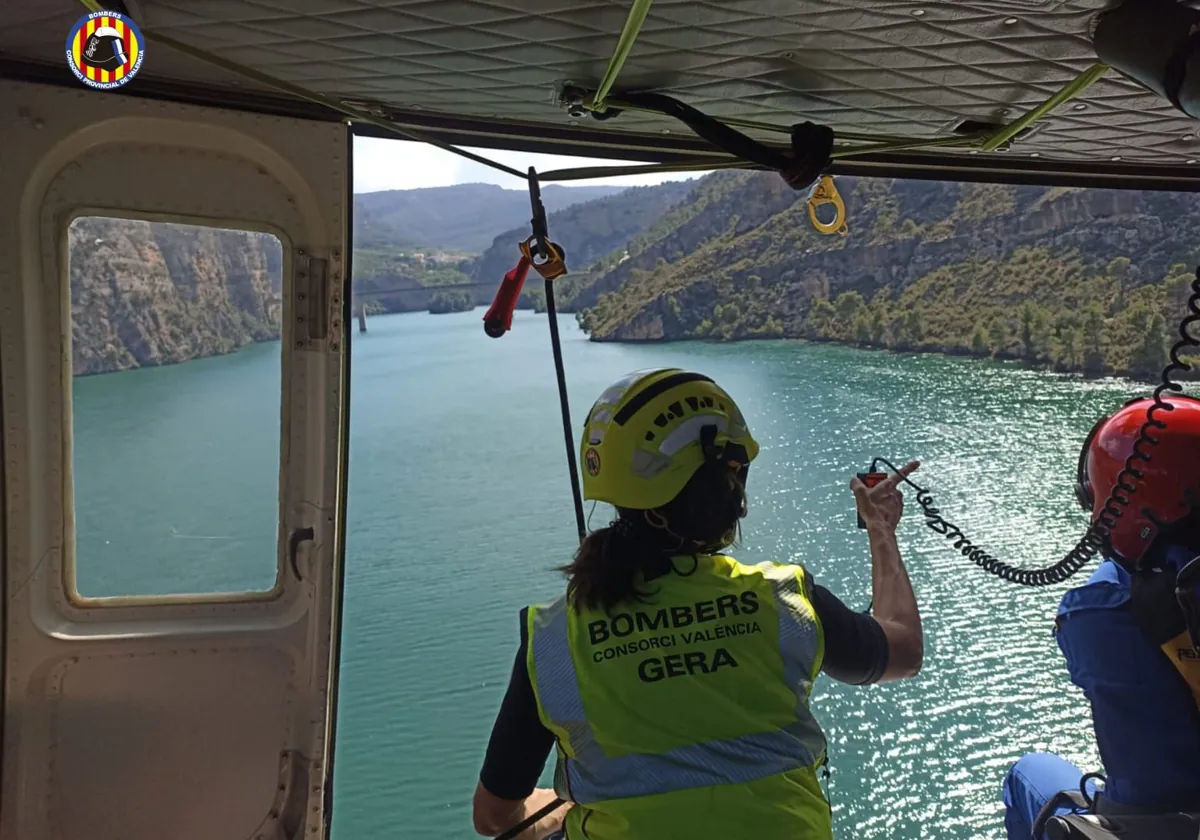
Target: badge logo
x: 105, y: 49
x: 592, y: 459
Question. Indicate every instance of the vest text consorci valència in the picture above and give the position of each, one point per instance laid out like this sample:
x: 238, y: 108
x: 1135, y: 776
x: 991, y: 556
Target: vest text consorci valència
x: 663, y: 621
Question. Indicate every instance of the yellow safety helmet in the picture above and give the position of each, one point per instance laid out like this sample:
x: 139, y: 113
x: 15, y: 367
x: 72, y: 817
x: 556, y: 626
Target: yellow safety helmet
x: 642, y: 438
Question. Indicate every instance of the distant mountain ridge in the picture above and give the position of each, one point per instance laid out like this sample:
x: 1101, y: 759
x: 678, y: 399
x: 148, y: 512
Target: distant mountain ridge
x: 588, y: 231
x: 462, y: 218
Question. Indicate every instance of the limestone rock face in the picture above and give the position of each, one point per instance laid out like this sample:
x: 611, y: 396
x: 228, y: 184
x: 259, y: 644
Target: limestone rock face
x: 147, y: 293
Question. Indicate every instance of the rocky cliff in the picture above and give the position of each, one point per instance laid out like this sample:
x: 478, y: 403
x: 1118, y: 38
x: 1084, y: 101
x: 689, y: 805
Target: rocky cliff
x: 979, y: 268
x: 150, y: 294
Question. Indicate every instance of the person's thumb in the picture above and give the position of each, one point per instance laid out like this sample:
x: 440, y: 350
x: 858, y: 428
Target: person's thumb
x: 858, y: 488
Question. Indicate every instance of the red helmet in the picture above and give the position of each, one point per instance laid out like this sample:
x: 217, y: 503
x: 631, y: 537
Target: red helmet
x: 1169, y: 486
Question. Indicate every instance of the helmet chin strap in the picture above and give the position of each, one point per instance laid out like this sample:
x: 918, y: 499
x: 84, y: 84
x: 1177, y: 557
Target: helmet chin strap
x: 1166, y: 607
x: 708, y: 443
x: 712, y: 452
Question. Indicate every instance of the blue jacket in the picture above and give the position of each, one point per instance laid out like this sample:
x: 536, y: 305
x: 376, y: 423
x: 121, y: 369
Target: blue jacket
x: 1146, y: 721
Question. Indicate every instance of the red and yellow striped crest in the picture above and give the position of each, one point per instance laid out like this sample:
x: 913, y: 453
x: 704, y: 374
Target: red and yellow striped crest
x: 116, y: 49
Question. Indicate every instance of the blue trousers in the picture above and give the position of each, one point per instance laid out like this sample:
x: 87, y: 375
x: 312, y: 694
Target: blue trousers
x: 1030, y: 784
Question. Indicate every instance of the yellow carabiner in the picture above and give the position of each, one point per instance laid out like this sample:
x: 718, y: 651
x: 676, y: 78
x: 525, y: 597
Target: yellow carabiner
x: 826, y: 193
x: 551, y: 267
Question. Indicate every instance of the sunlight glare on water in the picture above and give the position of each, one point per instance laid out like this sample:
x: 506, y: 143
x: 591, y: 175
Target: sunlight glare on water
x: 459, y: 488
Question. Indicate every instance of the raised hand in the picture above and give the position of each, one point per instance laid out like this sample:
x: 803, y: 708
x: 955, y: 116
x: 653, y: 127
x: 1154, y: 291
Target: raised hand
x: 883, y: 504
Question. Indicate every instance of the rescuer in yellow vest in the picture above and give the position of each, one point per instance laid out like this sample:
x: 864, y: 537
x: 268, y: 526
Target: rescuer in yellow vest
x: 674, y: 680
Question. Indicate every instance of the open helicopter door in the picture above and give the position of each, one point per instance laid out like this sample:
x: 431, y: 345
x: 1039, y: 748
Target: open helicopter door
x: 180, y: 716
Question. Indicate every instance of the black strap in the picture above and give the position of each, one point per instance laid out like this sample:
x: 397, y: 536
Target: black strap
x: 812, y: 144
x: 1159, y: 827
x: 1176, y: 69
x: 530, y: 820
x: 1187, y: 596
x: 1074, y: 798
x: 708, y: 442
x: 1076, y: 827
x: 1154, y: 606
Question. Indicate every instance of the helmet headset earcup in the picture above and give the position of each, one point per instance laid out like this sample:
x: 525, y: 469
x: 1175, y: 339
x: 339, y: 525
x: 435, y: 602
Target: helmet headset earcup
x: 1083, y: 486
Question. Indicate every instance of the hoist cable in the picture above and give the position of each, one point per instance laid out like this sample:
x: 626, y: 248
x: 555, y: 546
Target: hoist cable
x: 1095, y: 541
x: 572, y: 466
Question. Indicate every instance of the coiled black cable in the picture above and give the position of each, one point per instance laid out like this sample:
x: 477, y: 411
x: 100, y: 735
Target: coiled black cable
x: 1114, y: 507
x: 1076, y: 559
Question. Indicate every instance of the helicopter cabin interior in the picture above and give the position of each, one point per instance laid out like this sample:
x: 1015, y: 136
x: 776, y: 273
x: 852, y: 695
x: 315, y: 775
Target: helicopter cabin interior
x: 214, y: 716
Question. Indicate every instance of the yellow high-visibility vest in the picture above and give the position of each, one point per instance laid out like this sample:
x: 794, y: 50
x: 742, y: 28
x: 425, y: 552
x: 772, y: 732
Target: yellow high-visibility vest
x: 686, y: 715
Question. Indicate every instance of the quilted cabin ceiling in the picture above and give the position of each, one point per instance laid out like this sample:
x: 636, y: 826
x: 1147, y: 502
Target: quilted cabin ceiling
x: 486, y: 72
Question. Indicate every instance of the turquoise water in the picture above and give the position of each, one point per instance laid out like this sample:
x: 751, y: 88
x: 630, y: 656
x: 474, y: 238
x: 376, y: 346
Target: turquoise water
x: 459, y: 507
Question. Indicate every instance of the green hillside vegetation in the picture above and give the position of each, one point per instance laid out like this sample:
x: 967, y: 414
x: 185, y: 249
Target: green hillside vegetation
x: 1076, y: 280
x: 443, y: 302
x: 718, y: 208
x: 427, y: 269
x: 389, y: 280
x: 1031, y: 307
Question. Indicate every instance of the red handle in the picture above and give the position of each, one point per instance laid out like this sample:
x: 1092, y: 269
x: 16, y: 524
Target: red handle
x: 498, y: 319
x: 870, y: 479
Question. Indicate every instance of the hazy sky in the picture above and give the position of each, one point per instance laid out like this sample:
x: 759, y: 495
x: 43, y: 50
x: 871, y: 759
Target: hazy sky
x: 400, y: 165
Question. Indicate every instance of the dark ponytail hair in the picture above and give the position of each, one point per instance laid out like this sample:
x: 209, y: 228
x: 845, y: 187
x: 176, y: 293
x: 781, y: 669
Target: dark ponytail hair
x: 702, y: 519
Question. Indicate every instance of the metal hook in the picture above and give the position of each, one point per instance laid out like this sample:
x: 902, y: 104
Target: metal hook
x: 547, y: 258
x: 825, y: 192
x: 549, y: 267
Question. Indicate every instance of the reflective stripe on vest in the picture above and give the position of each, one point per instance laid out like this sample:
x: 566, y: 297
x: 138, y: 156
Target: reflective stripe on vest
x: 586, y: 774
